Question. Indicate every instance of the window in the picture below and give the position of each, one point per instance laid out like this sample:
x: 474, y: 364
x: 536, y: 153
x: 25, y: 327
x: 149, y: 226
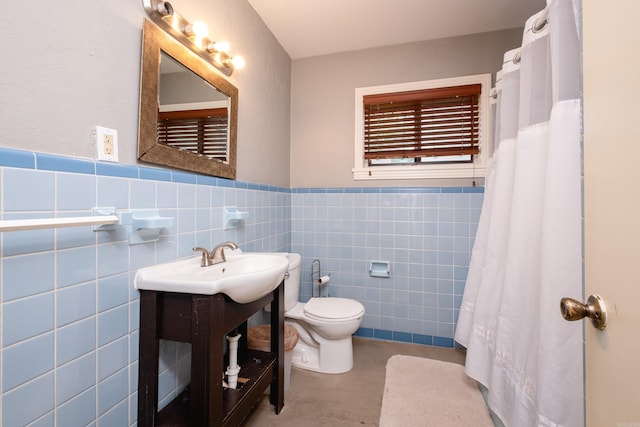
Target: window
x: 199, y: 131
x: 430, y: 129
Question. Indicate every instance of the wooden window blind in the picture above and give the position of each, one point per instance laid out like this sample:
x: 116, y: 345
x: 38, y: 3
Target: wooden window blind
x: 203, y: 131
x: 422, y: 123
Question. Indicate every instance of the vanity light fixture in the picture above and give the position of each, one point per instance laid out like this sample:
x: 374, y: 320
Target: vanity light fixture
x: 192, y: 35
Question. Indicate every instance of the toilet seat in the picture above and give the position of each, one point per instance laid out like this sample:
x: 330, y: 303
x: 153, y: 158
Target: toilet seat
x: 333, y: 308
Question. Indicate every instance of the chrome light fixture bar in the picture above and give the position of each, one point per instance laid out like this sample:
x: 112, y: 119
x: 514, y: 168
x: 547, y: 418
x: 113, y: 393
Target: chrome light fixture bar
x: 192, y: 35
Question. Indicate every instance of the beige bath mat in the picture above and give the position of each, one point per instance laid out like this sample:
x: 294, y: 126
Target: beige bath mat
x: 426, y: 392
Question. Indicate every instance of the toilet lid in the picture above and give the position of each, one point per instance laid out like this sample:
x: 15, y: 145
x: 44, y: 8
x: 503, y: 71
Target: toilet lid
x: 333, y: 308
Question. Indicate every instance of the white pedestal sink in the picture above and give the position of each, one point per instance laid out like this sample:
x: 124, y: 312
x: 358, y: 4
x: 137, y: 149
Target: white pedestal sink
x: 244, y: 277
x: 182, y: 301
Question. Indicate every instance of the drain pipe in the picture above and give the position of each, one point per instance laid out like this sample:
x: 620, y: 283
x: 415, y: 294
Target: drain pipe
x: 233, y: 369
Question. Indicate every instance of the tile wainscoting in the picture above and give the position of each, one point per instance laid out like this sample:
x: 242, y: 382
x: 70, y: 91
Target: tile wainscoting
x: 426, y: 235
x: 69, y: 309
x: 70, y: 313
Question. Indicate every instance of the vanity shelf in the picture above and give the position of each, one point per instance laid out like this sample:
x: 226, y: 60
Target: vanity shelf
x: 204, y: 321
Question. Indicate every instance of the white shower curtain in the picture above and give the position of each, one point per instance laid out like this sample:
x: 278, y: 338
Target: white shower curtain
x: 528, y: 248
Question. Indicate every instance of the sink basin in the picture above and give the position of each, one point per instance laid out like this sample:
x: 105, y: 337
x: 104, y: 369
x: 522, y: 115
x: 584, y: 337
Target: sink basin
x: 244, y: 278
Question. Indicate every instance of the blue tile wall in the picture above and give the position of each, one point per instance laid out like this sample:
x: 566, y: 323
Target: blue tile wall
x: 69, y: 312
x: 426, y: 235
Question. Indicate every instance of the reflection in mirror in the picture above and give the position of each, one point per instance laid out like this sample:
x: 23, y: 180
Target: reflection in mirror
x: 188, y: 112
x: 193, y: 115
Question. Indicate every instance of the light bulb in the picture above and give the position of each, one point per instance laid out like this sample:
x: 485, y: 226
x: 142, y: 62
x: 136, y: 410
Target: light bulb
x: 198, y: 29
x: 222, y: 46
x: 237, y: 62
x: 164, y: 8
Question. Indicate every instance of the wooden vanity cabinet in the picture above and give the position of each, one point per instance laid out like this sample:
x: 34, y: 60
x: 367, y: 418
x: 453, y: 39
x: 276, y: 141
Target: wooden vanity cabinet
x: 204, y: 321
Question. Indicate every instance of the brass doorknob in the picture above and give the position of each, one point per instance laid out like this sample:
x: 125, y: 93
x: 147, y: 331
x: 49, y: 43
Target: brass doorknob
x: 594, y: 309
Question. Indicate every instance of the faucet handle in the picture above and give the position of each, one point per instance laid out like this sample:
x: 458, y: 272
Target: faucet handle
x: 205, y: 255
x: 217, y: 254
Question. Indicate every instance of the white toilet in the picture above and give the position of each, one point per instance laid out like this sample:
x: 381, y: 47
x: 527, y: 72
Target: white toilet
x: 324, y: 325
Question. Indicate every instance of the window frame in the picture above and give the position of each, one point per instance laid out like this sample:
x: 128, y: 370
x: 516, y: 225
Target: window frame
x: 195, y: 111
x: 475, y: 169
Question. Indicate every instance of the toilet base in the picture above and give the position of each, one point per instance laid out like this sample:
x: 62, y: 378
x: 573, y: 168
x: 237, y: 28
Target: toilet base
x: 321, y: 355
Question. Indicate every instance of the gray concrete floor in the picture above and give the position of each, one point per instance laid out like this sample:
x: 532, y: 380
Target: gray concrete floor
x: 349, y: 399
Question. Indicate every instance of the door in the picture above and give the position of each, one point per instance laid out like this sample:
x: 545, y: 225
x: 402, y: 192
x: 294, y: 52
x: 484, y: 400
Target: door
x: 611, y: 64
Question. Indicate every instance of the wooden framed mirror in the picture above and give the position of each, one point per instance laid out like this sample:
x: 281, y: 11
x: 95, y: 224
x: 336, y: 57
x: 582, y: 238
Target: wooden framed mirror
x: 188, y: 112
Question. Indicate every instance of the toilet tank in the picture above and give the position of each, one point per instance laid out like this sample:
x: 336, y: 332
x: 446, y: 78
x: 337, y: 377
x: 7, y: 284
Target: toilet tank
x: 292, y: 282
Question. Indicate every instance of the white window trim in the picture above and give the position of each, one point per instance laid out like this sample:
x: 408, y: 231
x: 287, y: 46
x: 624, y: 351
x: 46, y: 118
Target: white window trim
x: 362, y: 171
x: 193, y: 106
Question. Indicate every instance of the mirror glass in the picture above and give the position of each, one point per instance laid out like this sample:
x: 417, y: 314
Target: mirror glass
x: 188, y: 112
x: 192, y: 114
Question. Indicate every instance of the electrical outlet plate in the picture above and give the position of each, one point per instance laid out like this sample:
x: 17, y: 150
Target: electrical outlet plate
x: 106, y: 143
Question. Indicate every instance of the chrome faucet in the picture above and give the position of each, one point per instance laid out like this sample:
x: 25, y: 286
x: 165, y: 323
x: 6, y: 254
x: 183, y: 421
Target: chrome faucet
x: 216, y: 256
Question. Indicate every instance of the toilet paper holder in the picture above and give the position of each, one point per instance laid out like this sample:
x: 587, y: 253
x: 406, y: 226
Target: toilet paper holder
x: 317, y: 278
x: 379, y: 269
